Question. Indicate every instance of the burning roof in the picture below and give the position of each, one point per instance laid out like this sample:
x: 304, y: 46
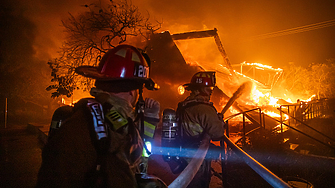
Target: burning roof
x: 177, y: 57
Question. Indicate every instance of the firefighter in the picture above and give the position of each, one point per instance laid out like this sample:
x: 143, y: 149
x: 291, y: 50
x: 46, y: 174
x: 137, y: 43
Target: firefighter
x: 199, y: 117
x: 101, y: 144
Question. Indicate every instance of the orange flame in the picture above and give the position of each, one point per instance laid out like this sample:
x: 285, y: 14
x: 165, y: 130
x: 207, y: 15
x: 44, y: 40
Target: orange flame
x: 181, y: 90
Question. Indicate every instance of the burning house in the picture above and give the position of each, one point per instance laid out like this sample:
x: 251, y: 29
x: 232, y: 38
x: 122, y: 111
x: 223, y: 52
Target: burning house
x: 248, y: 90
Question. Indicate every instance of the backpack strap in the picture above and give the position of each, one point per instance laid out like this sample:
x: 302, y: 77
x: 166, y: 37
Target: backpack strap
x: 100, y: 127
x: 100, y: 138
x: 97, y: 126
x: 186, y: 104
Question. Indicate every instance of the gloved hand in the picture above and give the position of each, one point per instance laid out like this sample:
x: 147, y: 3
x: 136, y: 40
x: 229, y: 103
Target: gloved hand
x: 151, y: 108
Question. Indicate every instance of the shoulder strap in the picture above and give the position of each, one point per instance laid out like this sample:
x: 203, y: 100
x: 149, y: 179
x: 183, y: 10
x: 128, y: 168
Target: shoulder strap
x: 100, y: 127
x: 97, y: 126
x: 183, y: 105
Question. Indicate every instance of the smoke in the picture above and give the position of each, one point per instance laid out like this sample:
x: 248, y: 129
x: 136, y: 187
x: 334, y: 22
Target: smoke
x: 34, y: 28
x: 239, y: 21
x: 30, y: 35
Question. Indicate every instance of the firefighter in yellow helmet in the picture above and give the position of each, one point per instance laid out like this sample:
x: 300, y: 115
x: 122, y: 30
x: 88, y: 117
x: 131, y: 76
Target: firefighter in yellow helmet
x: 198, y: 117
x: 100, y: 144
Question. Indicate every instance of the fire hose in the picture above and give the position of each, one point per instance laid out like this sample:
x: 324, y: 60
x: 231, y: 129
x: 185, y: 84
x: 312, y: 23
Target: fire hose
x: 186, y: 176
x: 245, y: 86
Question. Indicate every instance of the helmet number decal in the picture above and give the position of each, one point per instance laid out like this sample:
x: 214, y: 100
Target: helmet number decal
x: 141, y: 71
x: 198, y: 80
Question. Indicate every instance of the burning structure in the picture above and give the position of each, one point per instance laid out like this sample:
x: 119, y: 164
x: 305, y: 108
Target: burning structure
x: 174, y: 62
x: 172, y: 69
x: 255, y: 113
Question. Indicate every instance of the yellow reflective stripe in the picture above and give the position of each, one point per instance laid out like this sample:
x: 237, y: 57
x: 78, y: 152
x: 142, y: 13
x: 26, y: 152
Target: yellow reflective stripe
x: 116, y: 119
x: 149, y: 129
x: 144, y: 152
x: 195, y: 128
x: 55, y: 124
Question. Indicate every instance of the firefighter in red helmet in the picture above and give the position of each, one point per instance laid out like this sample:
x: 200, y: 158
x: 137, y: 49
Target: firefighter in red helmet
x: 198, y: 117
x: 101, y: 143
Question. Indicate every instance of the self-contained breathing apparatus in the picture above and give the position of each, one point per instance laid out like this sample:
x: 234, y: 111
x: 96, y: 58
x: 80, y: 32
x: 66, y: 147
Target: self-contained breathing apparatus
x: 174, y: 150
x: 170, y: 133
x: 170, y: 141
x: 58, y: 117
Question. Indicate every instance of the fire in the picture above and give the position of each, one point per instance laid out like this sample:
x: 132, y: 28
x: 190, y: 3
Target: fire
x: 63, y: 101
x: 278, y: 127
x: 70, y: 103
x: 181, y: 90
x: 262, y: 67
x: 271, y: 113
x: 261, y: 99
x: 309, y: 98
x: 275, y: 114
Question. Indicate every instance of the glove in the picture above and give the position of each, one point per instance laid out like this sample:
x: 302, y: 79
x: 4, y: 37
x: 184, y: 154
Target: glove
x: 151, y: 108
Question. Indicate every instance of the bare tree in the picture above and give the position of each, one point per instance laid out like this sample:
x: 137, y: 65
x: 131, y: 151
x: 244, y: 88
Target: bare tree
x: 90, y: 35
x: 322, y: 79
x: 317, y: 78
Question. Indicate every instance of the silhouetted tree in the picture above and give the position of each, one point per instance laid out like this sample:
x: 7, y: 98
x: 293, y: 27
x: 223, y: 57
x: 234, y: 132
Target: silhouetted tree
x: 90, y: 35
x: 317, y: 78
x: 322, y: 79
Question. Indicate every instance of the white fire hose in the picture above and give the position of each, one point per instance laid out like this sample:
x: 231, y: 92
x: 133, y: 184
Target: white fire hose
x: 187, y: 175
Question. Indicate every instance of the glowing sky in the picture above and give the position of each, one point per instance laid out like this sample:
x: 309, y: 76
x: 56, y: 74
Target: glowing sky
x: 238, y: 22
x: 31, y: 32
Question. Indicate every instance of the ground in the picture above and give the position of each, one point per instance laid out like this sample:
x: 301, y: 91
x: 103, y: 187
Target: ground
x: 20, y: 158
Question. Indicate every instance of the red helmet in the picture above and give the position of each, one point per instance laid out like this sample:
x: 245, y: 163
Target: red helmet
x: 201, y: 79
x: 123, y: 62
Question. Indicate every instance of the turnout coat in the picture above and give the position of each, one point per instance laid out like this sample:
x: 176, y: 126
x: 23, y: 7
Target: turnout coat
x: 69, y: 159
x: 199, y: 117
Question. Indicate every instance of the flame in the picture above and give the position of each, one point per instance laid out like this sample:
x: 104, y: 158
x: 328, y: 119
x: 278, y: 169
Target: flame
x: 307, y: 100
x: 278, y: 127
x: 63, y: 101
x: 69, y: 102
x: 262, y: 67
x: 261, y: 99
x: 271, y: 113
x: 275, y: 114
x: 181, y: 90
